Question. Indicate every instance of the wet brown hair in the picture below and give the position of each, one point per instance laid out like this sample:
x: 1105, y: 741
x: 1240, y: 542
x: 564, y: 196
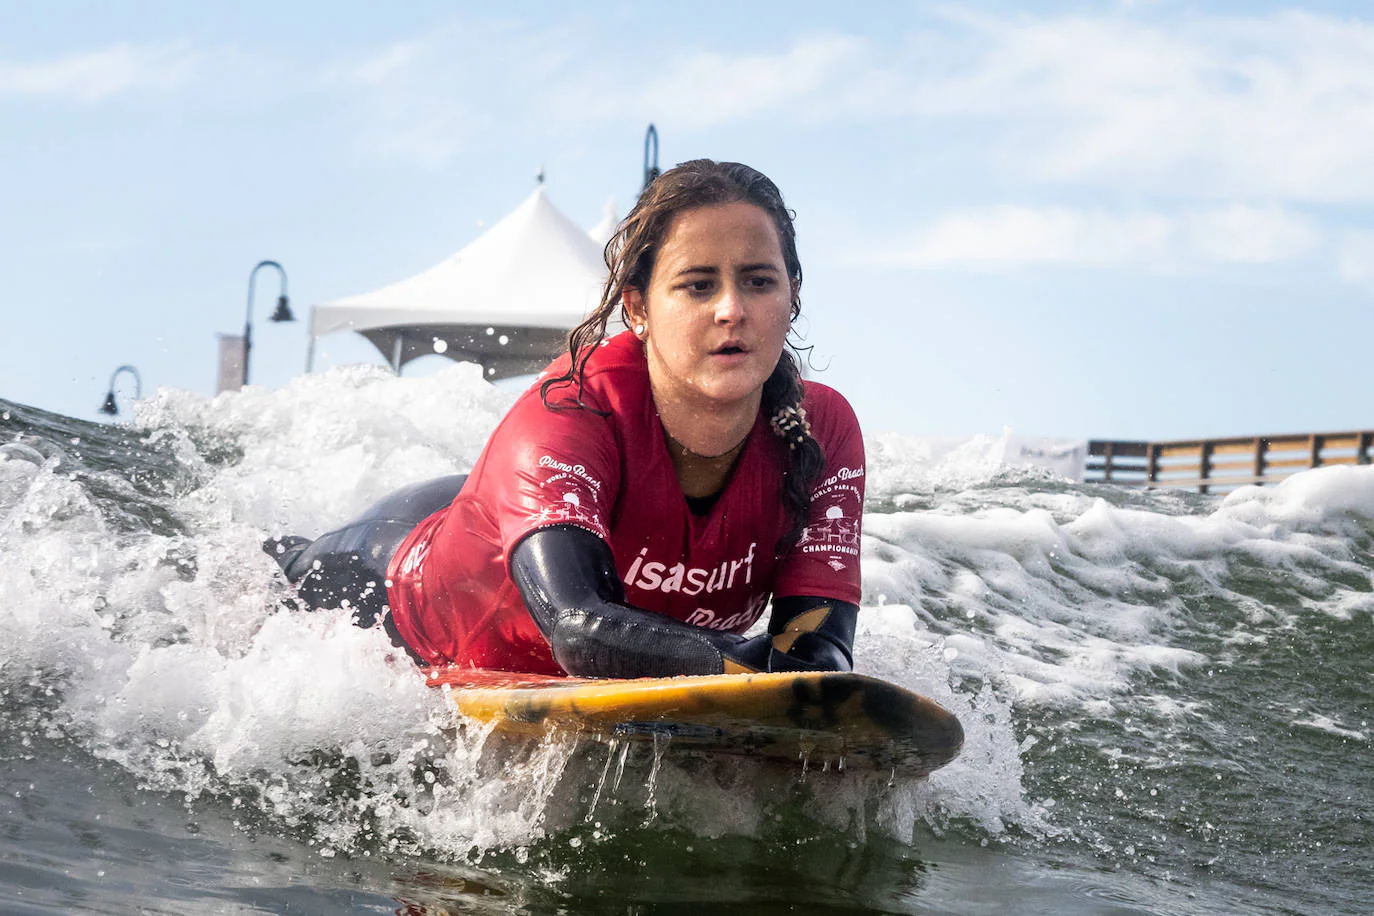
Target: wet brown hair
x: 630, y: 256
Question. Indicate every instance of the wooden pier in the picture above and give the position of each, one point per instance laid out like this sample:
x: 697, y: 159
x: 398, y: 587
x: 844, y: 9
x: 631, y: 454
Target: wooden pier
x: 1209, y: 465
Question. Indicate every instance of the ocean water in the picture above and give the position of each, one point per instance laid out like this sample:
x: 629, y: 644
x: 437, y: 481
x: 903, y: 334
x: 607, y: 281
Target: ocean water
x: 1167, y: 697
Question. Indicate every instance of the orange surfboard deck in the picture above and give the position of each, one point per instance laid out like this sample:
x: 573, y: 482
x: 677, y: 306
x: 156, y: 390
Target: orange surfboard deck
x: 822, y: 718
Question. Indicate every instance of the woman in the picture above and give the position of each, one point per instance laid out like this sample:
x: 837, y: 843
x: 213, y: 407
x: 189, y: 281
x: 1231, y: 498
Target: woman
x: 634, y: 512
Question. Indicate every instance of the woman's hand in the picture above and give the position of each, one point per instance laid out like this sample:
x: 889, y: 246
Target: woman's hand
x: 811, y: 634
x: 811, y: 652
x: 749, y: 656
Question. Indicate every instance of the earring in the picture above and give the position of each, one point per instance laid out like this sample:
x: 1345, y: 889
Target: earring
x: 639, y: 329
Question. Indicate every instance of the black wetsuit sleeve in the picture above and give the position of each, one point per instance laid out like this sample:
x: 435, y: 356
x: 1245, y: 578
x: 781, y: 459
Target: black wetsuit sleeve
x: 812, y: 634
x: 568, y: 579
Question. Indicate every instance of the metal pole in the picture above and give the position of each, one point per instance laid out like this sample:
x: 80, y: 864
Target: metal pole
x: 650, y: 164
x: 248, y: 318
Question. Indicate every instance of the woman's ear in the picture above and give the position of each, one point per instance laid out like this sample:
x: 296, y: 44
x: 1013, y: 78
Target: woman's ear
x: 632, y: 301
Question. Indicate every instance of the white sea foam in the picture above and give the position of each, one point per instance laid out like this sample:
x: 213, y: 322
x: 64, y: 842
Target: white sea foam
x: 1069, y: 596
x: 1006, y: 591
x: 1332, y: 727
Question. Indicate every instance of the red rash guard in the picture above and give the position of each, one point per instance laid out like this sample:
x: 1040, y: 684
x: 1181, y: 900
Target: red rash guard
x: 449, y: 585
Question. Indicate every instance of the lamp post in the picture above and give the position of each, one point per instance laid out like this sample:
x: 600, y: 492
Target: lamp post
x: 282, y: 312
x: 109, y: 407
x: 650, y: 164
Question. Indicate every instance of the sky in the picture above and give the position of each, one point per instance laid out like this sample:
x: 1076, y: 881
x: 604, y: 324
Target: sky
x: 1126, y: 220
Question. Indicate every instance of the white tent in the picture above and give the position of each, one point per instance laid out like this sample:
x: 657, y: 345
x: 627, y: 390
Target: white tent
x: 505, y: 301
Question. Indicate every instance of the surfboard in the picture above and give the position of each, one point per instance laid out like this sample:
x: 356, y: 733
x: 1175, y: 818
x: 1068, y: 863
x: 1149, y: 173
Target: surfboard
x: 818, y: 719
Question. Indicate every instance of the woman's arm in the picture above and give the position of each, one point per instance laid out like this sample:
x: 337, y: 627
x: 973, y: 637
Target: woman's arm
x: 568, y: 579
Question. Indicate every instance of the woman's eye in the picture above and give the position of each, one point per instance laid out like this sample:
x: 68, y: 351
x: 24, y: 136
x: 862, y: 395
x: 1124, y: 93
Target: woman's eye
x: 699, y: 286
x: 761, y: 282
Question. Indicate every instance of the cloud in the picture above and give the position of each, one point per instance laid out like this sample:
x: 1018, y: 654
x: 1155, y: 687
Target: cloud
x: 1139, y: 100
x: 381, y: 69
x: 1272, y: 107
x: 707, y: 88
x: 1277, y: 107
x: 398, y: 105
x: 1250, y: 235
x: 1356, y: 257
x: 426, y: 100
x: 95, y: 76
x: 1010, y: 236
x: 1021, y: 235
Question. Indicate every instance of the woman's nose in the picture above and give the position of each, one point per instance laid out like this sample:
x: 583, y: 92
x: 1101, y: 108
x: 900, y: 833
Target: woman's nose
x: 729, y: 306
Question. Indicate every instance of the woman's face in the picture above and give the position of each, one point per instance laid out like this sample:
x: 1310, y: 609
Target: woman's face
x: 718, y: 307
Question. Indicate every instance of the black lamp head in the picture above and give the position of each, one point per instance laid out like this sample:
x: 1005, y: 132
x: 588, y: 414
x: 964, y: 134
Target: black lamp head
x: 109, y: 405
x: 283, y: 312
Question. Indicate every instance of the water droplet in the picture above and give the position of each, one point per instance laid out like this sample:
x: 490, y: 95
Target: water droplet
x: 440, y: 345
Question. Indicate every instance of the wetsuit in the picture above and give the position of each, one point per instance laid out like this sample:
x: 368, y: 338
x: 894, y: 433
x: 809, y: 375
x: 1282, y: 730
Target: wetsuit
x: 571, y: 547
x: 347, y: 566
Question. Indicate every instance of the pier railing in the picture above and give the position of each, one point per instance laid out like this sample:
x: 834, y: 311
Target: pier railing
x: 1222, y: 464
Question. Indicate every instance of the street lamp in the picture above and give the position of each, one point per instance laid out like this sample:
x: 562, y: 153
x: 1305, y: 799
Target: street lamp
x: 109, y: 407
x: 282, y: 313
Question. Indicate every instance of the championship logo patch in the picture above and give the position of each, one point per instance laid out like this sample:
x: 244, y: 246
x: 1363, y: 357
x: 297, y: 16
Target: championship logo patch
x: 570, y: 496
x: 836, y: 532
